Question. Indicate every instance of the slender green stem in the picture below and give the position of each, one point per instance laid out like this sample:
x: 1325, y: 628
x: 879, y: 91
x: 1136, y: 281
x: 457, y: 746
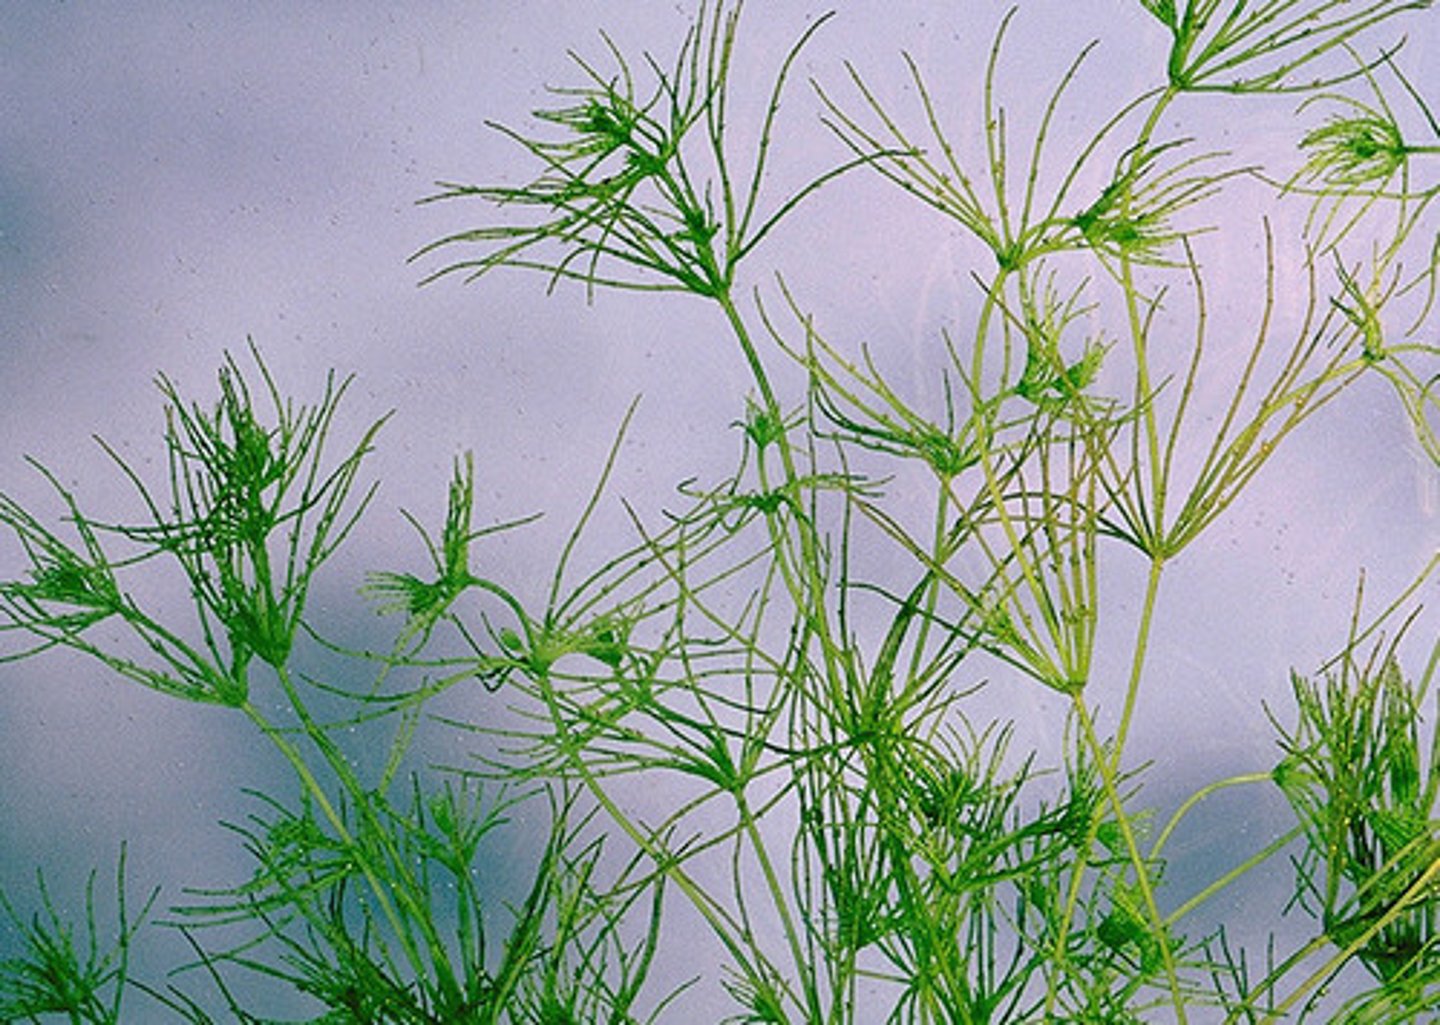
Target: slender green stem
x: 666, y: 863
x: 1109, y: 781
x: 1414, y: 893
x: 1255, y: 860
x: 1139, y: 331
x: 337, y: 822
x: 809, y: 591
x: 782, y: 907
x: 1194, y: 799
x: 1139, y: 651
x: 380, y: 875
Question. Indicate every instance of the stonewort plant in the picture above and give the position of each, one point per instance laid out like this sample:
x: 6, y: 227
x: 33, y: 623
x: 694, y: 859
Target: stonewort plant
x: 845, y: 832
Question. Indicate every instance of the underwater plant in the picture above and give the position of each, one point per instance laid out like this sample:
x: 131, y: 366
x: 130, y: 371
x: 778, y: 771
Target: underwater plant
x: 790, y: 654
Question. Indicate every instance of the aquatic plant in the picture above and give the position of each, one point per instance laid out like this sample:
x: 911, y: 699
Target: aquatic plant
x: 846, y: 834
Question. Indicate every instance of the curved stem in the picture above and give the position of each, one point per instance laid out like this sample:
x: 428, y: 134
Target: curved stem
x: 1198, y: 796
x: 777, y: 899
x: 390, y: 879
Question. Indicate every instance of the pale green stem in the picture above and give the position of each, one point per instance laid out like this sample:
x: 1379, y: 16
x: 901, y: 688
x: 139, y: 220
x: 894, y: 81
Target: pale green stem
x: 932, y: 592
x: 1247, y: 1008
x: 1144, y: 385
x: 1258, y: 858
x: 665, y: 863
x: 1137, y: 662
x: 777, y: 898
x: 1414, y: 891
x: 1110, y: 766
x: 1108, y: 779
x: 417, y: 913
x: 312, y: 786
x: 809, y: 593
x: 812, y: 593
x: 1198, y: 796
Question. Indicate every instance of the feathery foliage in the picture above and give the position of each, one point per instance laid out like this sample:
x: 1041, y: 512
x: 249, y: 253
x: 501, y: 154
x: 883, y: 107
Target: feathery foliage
x: 838, y: 831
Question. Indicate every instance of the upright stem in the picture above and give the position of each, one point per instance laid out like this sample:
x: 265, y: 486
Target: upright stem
x: 382, y: 878
x: 1108, y: 780
x: 1137, y: 658
x: 312, y: 786
x: 807, y: 586
x: 666, y: 863
x: 810, y: 589
x: 1108, y: 765
x: 1140, y: 346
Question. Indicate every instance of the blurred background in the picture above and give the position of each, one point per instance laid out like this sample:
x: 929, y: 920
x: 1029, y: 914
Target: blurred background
x: 176, y: 178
